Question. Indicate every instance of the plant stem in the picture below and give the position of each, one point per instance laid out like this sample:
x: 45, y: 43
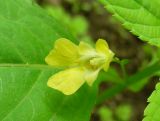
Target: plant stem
x: 148, y: 71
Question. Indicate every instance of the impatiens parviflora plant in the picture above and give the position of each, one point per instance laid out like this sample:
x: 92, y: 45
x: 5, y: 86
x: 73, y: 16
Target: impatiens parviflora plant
x: 82, y: 64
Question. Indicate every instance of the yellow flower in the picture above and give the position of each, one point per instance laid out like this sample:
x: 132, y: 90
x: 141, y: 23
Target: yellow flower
x: 82, y: 64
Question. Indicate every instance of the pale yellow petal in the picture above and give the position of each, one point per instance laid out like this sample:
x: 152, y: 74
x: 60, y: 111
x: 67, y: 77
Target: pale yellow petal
x: 106, y: 66
x: 85, y: 47
x: 67, y: 81
x: 108, y: 61
x: 91, y: 76
x: 64, y: 53
x: 102, y: 46
x: 86, y: 51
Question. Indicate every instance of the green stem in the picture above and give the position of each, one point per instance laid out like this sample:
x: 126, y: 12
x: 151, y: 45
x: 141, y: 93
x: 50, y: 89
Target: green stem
x: 122, y: 65
x: 148, y: 71
x: 123, y: 71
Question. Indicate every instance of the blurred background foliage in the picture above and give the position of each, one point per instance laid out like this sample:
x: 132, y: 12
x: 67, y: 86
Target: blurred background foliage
x: 88, y: 20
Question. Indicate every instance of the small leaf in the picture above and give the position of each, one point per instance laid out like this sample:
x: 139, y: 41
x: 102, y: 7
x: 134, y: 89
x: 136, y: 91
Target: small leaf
x: 152, y: 111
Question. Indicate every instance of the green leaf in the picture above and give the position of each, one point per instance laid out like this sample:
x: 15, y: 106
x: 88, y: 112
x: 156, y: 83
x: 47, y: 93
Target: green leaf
x: 141, y: 17
x: 27, y: 34
x: 153, y: 109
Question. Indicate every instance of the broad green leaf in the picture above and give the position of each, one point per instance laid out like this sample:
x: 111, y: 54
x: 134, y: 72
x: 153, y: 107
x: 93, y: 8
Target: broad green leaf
x: 141, y: 17
x: 27, y: 34
x: 25, y: 97
x: 153, y: 109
